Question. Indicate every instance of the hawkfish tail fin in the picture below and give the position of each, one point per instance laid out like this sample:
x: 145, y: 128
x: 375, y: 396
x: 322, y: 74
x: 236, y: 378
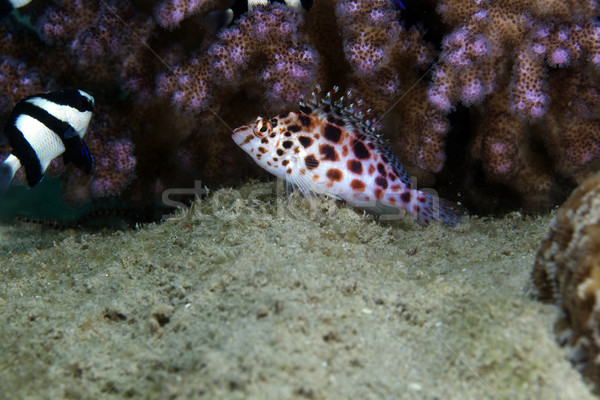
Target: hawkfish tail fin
x: 451, y: 213
x: 426, y: 207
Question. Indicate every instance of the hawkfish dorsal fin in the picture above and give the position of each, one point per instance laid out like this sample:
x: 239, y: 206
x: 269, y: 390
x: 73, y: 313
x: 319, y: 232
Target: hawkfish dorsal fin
x: 348, y: 108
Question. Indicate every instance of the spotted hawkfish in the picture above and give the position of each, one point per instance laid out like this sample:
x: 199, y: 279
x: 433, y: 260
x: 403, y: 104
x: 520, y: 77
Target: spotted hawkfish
x: 329, y: 148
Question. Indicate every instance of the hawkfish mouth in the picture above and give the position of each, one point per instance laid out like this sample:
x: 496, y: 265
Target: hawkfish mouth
x: 240, y: 134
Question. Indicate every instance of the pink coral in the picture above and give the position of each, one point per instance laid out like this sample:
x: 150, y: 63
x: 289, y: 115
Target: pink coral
x: 171, y: 12
x: 385, y: 58
x: 16, y: 82
x: 97, y: 34
x: 520, y: 74
x: 265, y: 46
x: 115, y: 171
x: 506, y: 55
x: 492, y: 32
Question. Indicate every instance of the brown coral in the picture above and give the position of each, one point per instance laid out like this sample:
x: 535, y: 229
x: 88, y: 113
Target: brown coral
x: 567, y: 271
x: 267, y: 47
x: 525, y: 70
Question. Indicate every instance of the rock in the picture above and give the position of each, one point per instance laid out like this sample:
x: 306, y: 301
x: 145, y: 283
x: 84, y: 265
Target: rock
x: 567, y: 272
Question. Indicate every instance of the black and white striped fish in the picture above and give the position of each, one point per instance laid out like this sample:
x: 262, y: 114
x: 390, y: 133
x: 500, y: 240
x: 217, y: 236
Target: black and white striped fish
x: 241, y: 6
x: 6, y: 6
x: 216, y: 20
x: 44, y: 126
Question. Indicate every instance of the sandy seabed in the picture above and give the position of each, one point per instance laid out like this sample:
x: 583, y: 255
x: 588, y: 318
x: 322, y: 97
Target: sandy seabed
x: 249, y: 295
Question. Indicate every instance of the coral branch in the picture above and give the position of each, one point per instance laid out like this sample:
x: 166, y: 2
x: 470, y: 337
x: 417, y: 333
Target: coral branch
x: 522, y: 74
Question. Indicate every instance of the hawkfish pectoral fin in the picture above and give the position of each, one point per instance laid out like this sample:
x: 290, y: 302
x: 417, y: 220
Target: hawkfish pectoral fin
x: 77, y: 152
x: 291, y: 186
x: 308, y: 189
x: 303, y: 184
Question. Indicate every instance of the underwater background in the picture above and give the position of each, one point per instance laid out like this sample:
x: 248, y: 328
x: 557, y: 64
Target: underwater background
x: 179, y: 268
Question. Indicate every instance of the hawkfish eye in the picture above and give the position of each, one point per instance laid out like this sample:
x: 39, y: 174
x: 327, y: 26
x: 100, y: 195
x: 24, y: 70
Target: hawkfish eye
x: 263, y: 128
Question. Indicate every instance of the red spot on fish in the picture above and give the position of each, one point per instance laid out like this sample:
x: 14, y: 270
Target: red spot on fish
x: 405, y: 197
x: 380, y: 181
x: 354, y: 166
x: 357, y: 185
x: 311, y: 162
x: 328, y: 153
x: 334, y: 174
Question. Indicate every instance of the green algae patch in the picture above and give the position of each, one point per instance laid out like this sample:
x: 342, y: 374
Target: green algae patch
x: 254, y: 294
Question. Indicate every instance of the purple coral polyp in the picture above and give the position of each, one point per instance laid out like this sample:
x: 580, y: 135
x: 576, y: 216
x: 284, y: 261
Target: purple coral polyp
x: 528, y: 69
